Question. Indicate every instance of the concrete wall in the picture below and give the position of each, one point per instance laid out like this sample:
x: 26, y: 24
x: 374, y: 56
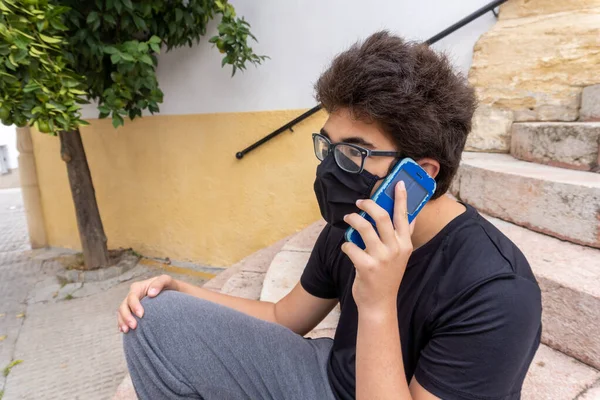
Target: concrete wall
x: 169, y: 185
x: 8, y: 137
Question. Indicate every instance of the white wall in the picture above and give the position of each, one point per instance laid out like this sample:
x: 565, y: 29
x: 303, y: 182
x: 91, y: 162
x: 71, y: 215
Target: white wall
x: 8, y: 136
x: 301, y: 37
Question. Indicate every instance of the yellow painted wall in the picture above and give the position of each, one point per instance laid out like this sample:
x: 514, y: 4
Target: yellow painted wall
x: 170, y: 186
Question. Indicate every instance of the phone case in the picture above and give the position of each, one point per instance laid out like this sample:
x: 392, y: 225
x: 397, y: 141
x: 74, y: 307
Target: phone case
x: 414, y: 170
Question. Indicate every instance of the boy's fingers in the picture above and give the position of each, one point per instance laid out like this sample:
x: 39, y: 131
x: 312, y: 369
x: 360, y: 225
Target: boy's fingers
x: 400, y: 209
x: 367, y: 232
x: 124, y: 315
x: 158, y: 284
x: 357, y: 255
x: 382, y: 220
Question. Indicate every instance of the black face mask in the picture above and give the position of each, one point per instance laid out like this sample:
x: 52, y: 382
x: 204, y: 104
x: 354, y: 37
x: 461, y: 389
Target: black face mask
x: 338, y: 190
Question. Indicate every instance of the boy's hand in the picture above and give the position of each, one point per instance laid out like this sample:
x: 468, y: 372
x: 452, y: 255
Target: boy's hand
x: 137, y: 291
x: 380, y: 267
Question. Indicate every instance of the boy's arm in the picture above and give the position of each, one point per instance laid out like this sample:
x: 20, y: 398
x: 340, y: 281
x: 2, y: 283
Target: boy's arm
x: 299, y: 311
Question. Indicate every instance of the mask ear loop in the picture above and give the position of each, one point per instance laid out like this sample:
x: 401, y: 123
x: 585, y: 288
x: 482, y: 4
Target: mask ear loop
x: 393, y: 165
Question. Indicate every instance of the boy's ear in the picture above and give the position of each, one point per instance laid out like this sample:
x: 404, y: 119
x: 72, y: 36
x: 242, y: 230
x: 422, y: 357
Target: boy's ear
x: 431, y: 166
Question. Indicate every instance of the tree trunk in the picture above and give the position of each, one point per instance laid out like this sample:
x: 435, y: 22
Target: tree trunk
x: 91, y: 231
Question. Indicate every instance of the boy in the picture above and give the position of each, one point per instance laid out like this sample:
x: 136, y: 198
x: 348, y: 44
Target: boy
x: 447, y: 308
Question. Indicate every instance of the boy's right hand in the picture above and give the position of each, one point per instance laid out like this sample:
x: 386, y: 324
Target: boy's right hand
x: 137, y: 291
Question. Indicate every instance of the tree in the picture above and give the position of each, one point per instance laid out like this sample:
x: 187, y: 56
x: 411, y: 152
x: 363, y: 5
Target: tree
x: 58, y: 54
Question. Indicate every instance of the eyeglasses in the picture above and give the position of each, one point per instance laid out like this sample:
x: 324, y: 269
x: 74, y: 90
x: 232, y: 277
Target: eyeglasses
x: 349, y: 157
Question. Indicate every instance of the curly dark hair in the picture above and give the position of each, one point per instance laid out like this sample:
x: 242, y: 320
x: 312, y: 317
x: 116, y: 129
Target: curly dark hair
x: 410, y: 91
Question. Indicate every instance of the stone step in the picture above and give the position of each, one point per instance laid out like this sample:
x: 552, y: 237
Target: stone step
x: 556, y: 376
x: 573, y: 145
x: 558, y: 202
x: 285, y: 271
x: 569, y: 276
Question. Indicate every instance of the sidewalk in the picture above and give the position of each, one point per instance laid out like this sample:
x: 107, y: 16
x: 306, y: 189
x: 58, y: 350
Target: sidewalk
x: 66, y: 336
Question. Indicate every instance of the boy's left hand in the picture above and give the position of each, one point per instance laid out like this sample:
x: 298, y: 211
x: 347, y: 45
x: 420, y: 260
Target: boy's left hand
x: 380, y: 267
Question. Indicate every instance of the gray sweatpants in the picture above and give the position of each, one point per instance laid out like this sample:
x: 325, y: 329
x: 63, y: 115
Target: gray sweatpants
x: 185, y: 347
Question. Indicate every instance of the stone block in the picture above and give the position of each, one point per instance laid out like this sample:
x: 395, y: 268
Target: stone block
x: 590, y: 104
x: 491, y: 130
x: 528, y: 8
x: 537, y: 63
x: 558, y: 202
x: 571, y: 145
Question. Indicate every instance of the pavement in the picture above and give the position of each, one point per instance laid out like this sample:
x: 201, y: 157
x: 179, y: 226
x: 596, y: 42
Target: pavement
x: 61, y: 340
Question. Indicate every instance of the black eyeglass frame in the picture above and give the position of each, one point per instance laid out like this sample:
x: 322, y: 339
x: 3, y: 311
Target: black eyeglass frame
x: 363, y: 152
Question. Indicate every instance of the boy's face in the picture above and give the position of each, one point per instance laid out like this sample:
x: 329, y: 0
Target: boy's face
x: 342, y: 127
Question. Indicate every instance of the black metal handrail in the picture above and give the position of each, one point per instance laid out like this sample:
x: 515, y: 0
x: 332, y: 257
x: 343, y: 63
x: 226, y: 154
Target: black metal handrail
x: 436, y: 38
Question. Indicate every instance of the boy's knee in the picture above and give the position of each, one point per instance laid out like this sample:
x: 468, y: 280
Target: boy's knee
x: 159, y: 308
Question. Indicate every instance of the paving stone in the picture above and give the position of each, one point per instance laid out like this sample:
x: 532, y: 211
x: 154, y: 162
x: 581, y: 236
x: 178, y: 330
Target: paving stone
x: 572, y: 145
x: 10, y: 326
x: 70, y: 350
x: 555, y: 201
x: 125, y: 391
x: 13, y: 223
x: 555, y: 376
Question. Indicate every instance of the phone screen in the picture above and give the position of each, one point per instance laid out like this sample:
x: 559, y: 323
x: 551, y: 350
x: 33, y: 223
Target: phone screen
x: 416, y: 193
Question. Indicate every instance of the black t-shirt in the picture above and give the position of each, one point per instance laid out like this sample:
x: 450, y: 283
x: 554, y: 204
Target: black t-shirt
x: 469, y: 311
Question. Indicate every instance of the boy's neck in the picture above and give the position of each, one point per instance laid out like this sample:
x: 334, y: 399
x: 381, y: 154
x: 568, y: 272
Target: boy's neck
x: 434, y: 216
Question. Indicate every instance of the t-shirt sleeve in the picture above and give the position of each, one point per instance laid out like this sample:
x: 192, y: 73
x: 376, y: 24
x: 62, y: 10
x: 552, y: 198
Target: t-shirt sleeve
x: 483, y: 344
x: 317, y: 278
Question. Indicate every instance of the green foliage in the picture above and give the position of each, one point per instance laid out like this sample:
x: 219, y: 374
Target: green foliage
x: 53, y: 53
x: 10, y: 366
x: 36, y: 83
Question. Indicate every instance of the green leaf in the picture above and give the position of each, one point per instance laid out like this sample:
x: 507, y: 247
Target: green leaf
x: 117, y: 120
x: 110, y: 19
x: 31, y: 87
x: 110, y: 50
x: 143, y: 47
x: 178, y: 14
x: 146, y: 59
x: 155, y: 39
x: 127, y: 4
x: 92, y: 17
x: 127, y: 57
x: 56, y: 24
x: 50, y: 40
x: 224, y: 61
x: 118, y: 6
x: 155, y: 48
x: 115, y: 58
x: 140, y: 23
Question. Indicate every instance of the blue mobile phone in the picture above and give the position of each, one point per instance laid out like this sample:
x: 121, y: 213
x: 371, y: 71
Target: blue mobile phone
x: 419, y: 189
